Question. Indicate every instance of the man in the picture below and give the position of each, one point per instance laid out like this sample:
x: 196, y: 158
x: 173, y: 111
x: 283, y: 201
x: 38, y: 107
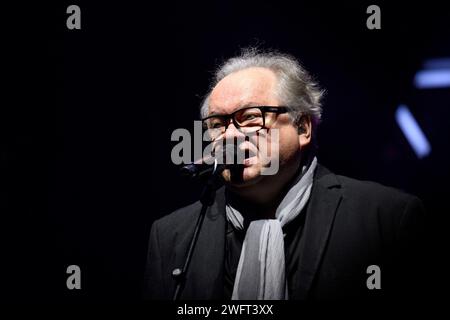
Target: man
x: 301, y: 233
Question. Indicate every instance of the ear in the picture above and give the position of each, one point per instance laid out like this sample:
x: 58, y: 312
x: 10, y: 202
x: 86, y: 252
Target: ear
x: 304, y: 131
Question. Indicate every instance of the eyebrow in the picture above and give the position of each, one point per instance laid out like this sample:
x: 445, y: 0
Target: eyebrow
x: 247, y: 105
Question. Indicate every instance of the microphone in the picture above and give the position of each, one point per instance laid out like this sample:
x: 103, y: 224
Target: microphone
x: 212, y: 164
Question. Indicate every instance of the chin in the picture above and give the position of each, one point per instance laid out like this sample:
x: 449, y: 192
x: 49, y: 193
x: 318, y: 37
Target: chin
x: 243, y: 178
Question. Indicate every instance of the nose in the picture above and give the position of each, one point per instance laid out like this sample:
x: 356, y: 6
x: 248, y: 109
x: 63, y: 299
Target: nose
x: 232, y: 132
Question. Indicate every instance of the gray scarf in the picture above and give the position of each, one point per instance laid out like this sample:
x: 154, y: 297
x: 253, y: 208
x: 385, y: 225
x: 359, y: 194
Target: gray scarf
x: 261, y: 273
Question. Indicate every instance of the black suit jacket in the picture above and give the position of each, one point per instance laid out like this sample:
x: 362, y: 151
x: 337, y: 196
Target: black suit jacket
x: 349, y: 226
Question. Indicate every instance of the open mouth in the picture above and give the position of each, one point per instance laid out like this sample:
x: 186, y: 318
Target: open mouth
x: 249, y: 154
x: 250, y: 157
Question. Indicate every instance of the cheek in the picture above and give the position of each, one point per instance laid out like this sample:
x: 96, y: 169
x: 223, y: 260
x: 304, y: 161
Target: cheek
x: 289, y: 146
x: 284, y: 143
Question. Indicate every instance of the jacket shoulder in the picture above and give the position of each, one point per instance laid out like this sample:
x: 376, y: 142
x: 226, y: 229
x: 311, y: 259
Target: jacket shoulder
x: 362, y: 190
x: 374, y: 192
x: 179, y: 219
x: 379, y: 204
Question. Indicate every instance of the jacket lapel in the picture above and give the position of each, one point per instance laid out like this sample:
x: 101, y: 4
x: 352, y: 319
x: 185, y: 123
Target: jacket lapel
x: 205, y: 274
x: 325, y: 198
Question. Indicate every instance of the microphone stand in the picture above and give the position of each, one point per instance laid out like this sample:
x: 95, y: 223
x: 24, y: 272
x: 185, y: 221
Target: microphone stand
x: 206, y: 199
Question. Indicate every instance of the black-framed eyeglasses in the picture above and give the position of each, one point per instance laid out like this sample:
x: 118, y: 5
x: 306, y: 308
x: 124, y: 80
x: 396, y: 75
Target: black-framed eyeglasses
x: 247, y: 120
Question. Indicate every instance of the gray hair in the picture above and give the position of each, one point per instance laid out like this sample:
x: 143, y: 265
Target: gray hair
x: 296, y: 88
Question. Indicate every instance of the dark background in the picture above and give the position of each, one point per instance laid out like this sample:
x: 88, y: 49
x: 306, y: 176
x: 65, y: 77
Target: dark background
x: 88, y: 115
